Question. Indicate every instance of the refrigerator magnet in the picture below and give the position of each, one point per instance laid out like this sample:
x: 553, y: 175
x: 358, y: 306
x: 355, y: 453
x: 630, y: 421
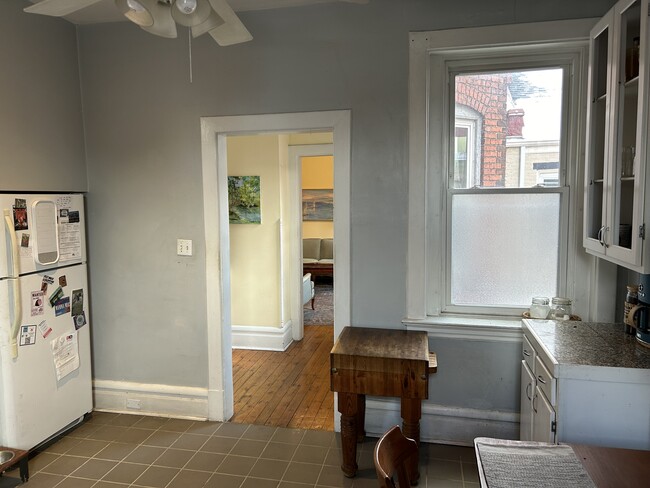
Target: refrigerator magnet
x: 62, y: 306
x: 63, y: 281
x: 56, y: 296
x: 47, y: 280
x: 27, y: 335
x: 38, y: 302
x: 77, y: 302
x: 20, y: 219
x: 45, y: 329
x: 24, y: 240
x: 79, y: 320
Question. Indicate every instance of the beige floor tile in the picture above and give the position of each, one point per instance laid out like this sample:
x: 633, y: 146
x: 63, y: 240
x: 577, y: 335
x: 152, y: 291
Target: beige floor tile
x: 63, y: 445
x: 134, y: 435
x: 247, y: 447
x: 269, y: 469
x: 205, y: 461
x: 277, y: 450
x: 177, y: 425
x: 150, y: 422
x: 71, y: 482
x: 259, y: 432
x: 259, y: 483
x: 237, y: 465
x: 43, y: 480
x: 41, y: 460
x: 190, y: 441
x: 228, y: 429
x: 108, y: 484
x: 221, y: 445
x: 115, y: 451
x: 302, y: 473
x: 64, y: 465
x: 126, y: 420
x: 94, y: 469
x: 332, y: 476
x: 448, y: 470
x: 288, y: 436
x: 144, y: 454
x: 161, y: 438
x: 221, y: 480
x: 156, y: 477
x: 87, y: 448
x: 174, y: 458
x: 189, y: 479
x: 125, y: 473
x: 204, y: 428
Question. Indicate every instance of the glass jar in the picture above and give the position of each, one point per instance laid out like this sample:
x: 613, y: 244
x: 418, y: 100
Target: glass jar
x: 539, y: 308
x: 560, y: 308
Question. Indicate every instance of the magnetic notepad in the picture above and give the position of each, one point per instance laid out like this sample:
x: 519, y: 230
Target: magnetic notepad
x: 46, y: 233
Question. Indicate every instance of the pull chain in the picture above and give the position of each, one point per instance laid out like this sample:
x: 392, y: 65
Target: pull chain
x: 189, y: 36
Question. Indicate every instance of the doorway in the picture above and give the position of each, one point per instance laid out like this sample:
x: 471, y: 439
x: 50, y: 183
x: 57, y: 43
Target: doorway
x: 214, y: 155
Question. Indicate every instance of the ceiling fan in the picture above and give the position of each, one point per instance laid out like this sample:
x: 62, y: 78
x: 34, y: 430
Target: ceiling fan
x: 160, y: 17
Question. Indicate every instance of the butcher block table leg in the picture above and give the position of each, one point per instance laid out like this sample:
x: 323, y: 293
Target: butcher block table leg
x: 349, y: 409
x: 411, y: 413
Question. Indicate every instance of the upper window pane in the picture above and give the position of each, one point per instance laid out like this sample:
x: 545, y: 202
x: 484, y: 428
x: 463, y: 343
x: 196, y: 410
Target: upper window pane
x: 507, y: 129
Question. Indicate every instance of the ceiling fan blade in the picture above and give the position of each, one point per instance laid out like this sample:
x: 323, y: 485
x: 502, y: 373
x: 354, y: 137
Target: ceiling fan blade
x: 58, y: 8
x: 163, y: 23
x: 212, y: 21
x: 232, y: 31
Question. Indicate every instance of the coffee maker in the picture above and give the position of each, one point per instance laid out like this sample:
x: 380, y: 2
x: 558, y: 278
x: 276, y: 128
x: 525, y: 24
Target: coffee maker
x: 640, y: 314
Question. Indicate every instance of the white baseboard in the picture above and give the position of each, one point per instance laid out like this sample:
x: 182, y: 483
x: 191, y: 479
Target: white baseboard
x: 262, y: 338
x: 442, y: 424
x: 153, y: 399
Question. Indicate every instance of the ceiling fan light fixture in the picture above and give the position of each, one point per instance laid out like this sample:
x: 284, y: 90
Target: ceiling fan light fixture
x: 186, y: 6
x: 191, y: 12
x: 135, y: 12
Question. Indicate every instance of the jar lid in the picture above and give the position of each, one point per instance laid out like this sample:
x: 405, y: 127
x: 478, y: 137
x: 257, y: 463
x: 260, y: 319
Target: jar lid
x: 561, y: 301
x: 540, y: 300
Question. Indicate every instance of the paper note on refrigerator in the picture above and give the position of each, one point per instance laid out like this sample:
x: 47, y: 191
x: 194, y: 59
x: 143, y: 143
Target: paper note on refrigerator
x: 70, y: 241
x: 65, y: 351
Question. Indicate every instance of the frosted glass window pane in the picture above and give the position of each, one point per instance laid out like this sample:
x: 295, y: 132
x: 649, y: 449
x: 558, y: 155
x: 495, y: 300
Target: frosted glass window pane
x: 504, y: 248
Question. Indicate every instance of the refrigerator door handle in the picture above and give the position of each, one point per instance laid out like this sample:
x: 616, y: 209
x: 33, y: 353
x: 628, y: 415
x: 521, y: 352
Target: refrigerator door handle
x: 14, y: 269
x: 14, y: 281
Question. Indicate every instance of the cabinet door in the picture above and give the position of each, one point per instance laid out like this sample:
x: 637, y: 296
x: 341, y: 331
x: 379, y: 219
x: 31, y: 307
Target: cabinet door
x: 598, y: 132
x: 526, y: 415
x: 625, y: 199
x: 543, y: 418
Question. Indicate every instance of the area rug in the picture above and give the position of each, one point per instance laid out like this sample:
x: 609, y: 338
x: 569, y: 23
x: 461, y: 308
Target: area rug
x: 323, y: 304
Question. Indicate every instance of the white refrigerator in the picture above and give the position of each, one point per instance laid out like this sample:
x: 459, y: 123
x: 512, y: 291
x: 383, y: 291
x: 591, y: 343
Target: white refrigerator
x: 45, y: 364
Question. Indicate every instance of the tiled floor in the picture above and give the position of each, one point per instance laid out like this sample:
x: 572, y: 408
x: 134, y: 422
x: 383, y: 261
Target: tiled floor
x: 119, y: 451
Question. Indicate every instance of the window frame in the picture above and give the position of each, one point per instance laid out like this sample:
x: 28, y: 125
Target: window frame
x: 484, y: 63
x: 431, y: 56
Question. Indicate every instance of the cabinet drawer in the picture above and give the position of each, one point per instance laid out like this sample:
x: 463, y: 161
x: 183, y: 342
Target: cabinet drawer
x: 545, y: 381
x: 528, y: 353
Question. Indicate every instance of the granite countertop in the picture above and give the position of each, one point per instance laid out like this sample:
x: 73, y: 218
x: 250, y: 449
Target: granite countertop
x: 589, y: 344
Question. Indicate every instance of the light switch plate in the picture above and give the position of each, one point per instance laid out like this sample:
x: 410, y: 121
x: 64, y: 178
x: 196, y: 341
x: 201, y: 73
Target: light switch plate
x: 184, y: 247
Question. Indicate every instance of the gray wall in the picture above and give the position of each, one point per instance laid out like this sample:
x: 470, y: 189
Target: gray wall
x: 144, y: 168
x: 41, y: 131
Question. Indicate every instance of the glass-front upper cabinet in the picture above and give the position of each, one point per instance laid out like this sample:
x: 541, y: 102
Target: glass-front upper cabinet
x: 616, y: 139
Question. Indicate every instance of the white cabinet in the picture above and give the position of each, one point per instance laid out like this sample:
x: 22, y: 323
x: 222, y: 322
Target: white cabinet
x: 590, y: 384
x: 527, y: 392
x: 616, y: 152
x: 537, y: 416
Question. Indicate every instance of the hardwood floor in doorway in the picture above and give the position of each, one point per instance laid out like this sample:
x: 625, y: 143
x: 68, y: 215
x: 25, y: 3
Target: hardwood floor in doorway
x: 286, y: 389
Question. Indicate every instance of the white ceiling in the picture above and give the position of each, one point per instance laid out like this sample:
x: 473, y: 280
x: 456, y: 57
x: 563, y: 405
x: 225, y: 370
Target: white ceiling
x: 106, y: 11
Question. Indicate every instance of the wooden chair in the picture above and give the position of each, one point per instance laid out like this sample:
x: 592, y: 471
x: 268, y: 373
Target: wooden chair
x: 391, y: 453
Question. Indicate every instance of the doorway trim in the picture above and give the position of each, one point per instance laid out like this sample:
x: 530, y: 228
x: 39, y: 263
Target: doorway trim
x: 296, y: 153
x: 214, y: 131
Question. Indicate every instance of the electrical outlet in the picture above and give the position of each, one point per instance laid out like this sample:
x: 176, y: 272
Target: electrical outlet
x: 184, y: 247
x: 133, y: 403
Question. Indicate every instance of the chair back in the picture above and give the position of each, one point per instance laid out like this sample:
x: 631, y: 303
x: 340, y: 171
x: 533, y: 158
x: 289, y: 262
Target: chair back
x: 391, y: 453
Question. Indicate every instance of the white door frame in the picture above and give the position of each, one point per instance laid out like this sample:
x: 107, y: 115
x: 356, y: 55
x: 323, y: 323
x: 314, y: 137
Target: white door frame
x: 296, y: 153
x: 214, y: 131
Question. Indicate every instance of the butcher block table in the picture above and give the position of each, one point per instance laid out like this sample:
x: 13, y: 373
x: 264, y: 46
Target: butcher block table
x: 379, y: 362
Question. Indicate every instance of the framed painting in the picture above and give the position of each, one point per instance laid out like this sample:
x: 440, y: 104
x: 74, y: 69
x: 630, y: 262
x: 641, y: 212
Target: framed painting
x: 318, y: 204
x: 244, y: 200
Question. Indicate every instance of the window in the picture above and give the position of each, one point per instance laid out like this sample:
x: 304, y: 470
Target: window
x: 495, y: 124
x: 505, y: 247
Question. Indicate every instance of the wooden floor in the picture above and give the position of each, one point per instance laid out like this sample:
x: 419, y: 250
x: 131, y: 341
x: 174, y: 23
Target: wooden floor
x: 286, y: 389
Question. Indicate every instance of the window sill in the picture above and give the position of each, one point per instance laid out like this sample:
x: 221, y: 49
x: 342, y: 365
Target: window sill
x: 468, y: 327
